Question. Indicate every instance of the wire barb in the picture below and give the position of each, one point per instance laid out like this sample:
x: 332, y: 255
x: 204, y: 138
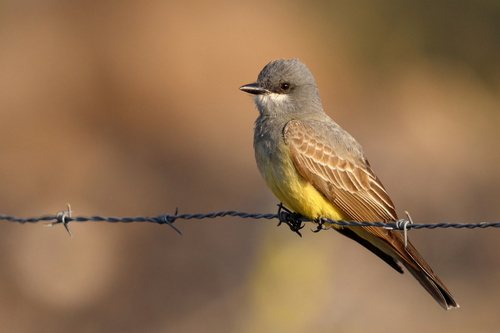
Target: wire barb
x: 169, y: 219
x: 403, y: 225
x: 63, y: 217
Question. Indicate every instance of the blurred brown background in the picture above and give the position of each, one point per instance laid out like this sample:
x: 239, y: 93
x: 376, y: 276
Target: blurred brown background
x: 132, y: 108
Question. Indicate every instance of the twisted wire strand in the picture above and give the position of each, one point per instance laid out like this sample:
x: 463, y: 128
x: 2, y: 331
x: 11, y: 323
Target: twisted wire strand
x: 162, y: 219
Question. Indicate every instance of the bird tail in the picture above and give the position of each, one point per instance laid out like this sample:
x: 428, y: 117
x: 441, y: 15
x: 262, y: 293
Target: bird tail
x: 392, y: 249
x: 423, y: 273
x: 434, y: 286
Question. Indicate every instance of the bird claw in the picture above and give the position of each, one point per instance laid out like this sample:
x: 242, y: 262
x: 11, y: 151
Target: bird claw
x: 291, y: 219
x: 321, y: 225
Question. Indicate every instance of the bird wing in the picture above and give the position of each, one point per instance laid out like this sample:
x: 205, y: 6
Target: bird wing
x: 333, y: 162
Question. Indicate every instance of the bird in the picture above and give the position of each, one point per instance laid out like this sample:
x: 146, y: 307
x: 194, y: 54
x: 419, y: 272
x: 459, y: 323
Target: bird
x: 318, y: 170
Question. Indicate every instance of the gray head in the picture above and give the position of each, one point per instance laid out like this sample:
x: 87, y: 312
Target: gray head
x: 285, y: 87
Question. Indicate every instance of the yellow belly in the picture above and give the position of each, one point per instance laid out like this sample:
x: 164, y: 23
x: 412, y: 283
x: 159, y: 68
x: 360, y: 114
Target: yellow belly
x: 294, y: 191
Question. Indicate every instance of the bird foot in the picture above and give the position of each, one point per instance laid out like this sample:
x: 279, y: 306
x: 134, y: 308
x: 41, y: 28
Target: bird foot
x: 321, y: 225
x: 291, y: 219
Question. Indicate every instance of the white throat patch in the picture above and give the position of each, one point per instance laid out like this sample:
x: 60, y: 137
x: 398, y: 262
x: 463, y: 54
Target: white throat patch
x: 272, y: 98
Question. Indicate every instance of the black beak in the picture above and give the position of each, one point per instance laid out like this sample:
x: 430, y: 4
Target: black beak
x: 254, y: 88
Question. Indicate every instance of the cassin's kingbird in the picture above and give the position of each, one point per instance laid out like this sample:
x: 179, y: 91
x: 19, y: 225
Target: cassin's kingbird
x: 319, y: 170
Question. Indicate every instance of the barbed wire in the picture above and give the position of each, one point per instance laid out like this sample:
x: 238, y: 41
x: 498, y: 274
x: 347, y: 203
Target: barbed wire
x: 293, y: 220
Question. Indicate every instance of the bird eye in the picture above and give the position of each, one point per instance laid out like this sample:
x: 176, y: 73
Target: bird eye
x: 285, y: 86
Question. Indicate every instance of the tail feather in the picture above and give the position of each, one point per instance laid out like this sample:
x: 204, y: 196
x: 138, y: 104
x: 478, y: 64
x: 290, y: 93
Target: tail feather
x: 437, y: 290
x: 423, y: 273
